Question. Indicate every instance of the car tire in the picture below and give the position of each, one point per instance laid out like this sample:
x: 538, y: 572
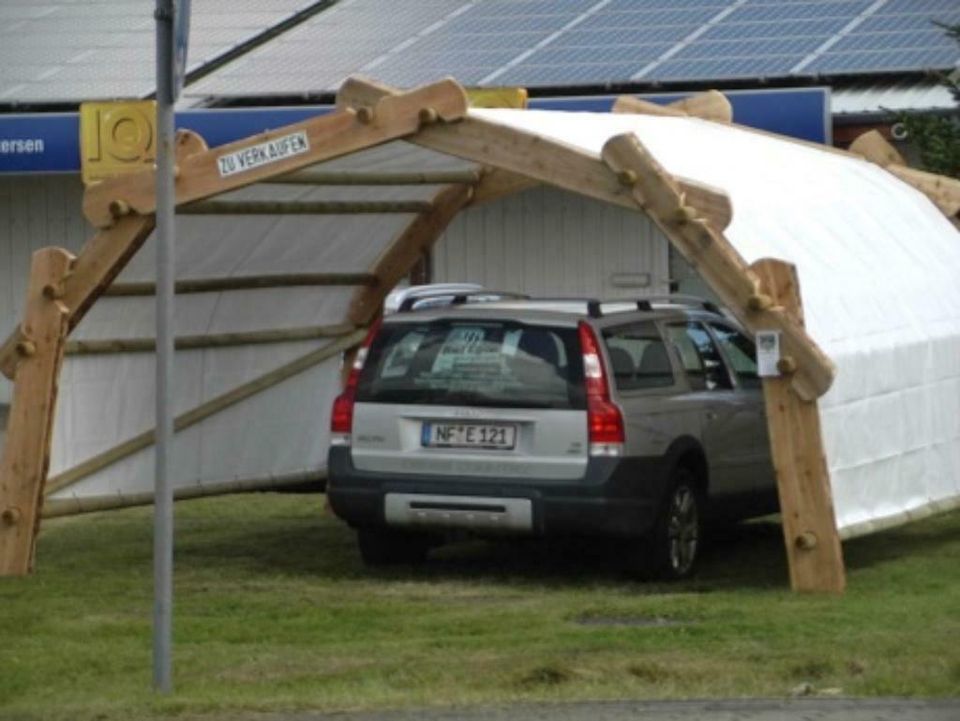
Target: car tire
x: 386, y: 547
x: 674, y: 544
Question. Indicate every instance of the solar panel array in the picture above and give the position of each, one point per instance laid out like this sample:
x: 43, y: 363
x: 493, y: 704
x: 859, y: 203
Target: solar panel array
x: 73, y: 50
x: 593, y: 42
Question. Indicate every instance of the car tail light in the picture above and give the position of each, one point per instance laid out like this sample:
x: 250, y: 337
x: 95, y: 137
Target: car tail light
x: 605, y: 431
x: 341, y: 418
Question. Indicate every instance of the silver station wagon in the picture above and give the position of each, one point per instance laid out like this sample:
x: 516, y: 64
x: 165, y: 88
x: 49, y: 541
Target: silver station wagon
x: 495, y: 415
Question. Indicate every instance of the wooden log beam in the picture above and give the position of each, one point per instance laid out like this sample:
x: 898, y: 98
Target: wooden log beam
x: 714, y: 257
x: 204, y: 411
x: 369, y: 177
x: 209, y: 340
x: 710, y: 105
x: 497, y: 183
x: 302, y: 207
x: 474, y: 138
x: 75, y: 505
x: 875, y: 148
x: 286, y: 149
x: 26, y: 452
x: 401, y: 255
x: 942, y: 190
x: 806, y: 505
x: 243, y: 282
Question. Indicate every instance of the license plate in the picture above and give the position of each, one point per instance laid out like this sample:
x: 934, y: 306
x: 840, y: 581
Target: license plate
x: 469, y: 435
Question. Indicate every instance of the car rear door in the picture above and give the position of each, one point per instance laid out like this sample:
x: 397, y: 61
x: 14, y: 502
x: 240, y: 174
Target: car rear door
x: 727, y: 418
x: 741, y: 355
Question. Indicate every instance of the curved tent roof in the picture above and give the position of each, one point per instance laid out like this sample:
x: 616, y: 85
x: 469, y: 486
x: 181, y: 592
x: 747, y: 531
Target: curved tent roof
x: 878, y: 265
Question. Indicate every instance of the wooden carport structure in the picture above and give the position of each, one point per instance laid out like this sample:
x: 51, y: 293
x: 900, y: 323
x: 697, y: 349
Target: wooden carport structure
x: 764, y: 296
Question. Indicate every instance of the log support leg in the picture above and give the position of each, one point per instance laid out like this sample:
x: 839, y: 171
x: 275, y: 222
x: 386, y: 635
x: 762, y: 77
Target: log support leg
x: 796, y: 443
x: 26, y: 454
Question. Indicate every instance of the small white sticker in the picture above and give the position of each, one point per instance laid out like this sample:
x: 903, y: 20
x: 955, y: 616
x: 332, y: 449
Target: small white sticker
x: 768, y: 353
x: 255, y: 156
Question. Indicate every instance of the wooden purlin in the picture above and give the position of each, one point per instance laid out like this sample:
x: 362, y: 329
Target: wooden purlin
x: 26, y: 452
x: 812, y: 541
x: 328, y: 136
x: 714, y: 257
x: 530, y: 155
x: 708, y: 105
x: 401, y: 255
x: 943, y: 191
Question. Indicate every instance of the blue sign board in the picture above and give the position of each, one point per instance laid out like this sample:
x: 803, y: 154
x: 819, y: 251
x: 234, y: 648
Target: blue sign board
x: 50, y: 142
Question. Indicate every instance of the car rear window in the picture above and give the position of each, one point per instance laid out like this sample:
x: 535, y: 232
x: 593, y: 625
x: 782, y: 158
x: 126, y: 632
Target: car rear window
x: 482, y: 363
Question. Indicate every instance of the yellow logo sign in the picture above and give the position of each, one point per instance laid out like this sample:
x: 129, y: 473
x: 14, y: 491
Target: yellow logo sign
x: 497, y: 97
x: 117, y: 137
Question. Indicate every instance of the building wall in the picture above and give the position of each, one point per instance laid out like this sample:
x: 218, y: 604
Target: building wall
x: 35, y: 211
x: 549, y: 242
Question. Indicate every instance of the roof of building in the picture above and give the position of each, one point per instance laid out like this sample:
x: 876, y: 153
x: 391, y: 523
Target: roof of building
x: 66, y: 51
x: 55, y: 51
x: 557, y: 43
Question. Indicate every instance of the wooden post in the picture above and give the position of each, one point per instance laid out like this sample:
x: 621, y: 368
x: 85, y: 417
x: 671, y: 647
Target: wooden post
x: 806, y: 504
x: 26, y: 453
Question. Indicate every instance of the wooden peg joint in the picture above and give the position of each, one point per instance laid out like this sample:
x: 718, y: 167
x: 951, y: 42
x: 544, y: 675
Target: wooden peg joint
x: 26, y: 349
x: 53, y: 291
x: 806, y: 541
x: 759, y: 301
x: 119, y: 208
x: 365, y: 114
x: 10, y: 516
x: 787, y: 365
x: 684, y: 214
x: 428, y: 116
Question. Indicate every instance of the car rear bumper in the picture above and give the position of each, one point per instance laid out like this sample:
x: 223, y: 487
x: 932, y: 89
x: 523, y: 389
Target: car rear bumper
x: 615, y: 496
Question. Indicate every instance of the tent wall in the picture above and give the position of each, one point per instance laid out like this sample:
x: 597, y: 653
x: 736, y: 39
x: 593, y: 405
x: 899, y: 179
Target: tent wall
x: 545, y: 241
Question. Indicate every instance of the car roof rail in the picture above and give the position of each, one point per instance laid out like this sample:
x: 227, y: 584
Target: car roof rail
x: 595, y: 306
x: 688, y: 301
x: 457, y: 298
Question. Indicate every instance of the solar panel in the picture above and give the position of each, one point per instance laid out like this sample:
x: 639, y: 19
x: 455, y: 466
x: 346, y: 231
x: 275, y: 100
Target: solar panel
x: 782, y: 12
x: 586, y: 42
x: 723, y: 68
x: 748, y: 47
x: 894, y: 41
x: 882, y: 60
x: 821, y: 29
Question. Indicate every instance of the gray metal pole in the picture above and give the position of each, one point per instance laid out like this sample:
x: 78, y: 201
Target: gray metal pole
x: 163, y: 491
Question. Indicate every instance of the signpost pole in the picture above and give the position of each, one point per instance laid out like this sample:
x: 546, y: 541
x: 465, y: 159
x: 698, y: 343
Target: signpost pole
x: 163, y: 492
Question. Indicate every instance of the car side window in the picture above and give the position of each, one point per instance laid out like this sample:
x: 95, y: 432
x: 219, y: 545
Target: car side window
x: 741, y: 352
x: 638, y: 357
x: 699, y: 356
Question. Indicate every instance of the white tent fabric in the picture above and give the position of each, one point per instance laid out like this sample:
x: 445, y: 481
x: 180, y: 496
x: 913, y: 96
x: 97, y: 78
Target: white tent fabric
x: 878, y: 266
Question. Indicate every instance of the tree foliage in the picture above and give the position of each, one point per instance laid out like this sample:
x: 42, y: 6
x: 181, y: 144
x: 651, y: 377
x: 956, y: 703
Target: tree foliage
x: 937, y: 137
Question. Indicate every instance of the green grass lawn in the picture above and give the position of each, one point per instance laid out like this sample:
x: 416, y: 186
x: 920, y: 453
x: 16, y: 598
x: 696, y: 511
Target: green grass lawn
x: 274, y: 611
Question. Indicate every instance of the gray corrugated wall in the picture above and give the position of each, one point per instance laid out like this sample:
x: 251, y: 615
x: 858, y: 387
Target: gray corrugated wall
x: 34, y: 212
x: 549, y: 242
